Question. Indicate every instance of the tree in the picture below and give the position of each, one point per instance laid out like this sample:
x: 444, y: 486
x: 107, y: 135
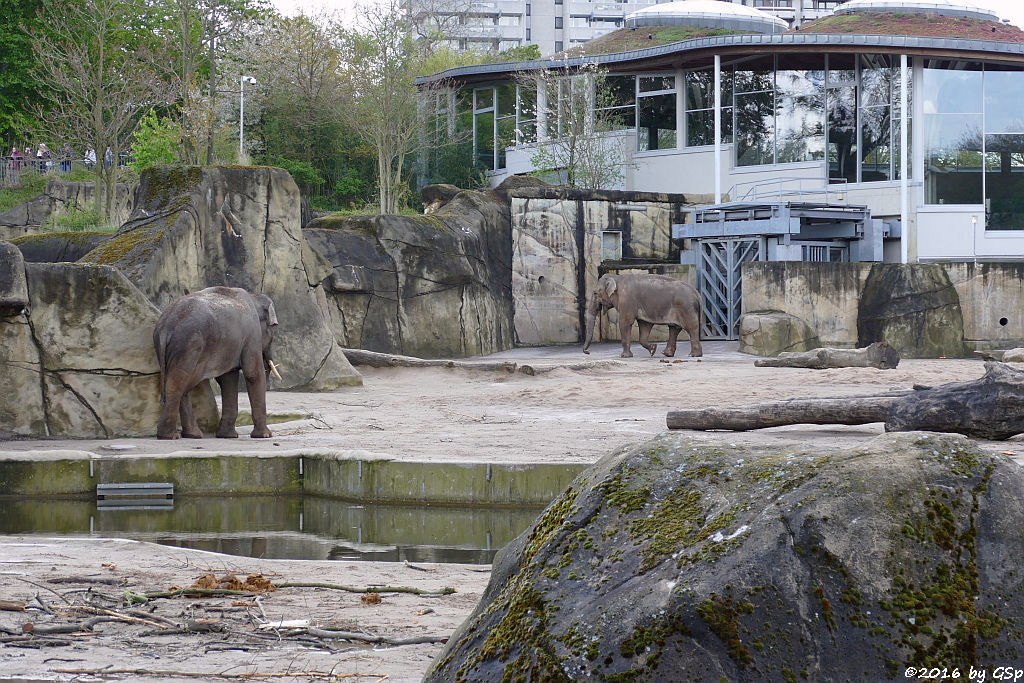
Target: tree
x: 19, y: 91
x: 100, y: 77
x: 382, y: 61
x: 579, y: 149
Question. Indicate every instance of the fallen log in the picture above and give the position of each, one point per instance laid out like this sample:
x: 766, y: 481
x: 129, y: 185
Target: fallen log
x: 877, y: 355
x: 991, y: 407
x: 375, y: 359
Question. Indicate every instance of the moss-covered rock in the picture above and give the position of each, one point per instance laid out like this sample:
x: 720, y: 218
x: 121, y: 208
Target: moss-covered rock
x: 687, y: 559
x: 58, y: 247
x: 238, y: 226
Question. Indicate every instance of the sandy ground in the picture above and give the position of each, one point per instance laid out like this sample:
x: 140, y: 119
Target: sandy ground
x: 561, y: 415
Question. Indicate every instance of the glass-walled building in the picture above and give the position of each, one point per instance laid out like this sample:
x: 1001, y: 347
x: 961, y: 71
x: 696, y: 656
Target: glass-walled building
x: 805, y: 116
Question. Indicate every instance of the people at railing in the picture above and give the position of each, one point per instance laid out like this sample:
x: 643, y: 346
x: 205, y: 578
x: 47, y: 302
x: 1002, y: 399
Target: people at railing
x: 40, y: 159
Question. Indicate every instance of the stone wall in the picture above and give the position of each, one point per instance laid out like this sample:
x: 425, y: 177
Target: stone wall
x: 428, y: 286
x: 197, y: 227
x: 557, y: 252
x: 926, y: 310
x: 60, y: 196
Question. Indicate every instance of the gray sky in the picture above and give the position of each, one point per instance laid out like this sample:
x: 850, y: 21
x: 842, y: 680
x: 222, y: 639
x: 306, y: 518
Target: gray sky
x: 1007, y: 9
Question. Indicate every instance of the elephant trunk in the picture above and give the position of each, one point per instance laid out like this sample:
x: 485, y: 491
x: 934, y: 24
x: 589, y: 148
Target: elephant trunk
x: 588, y: 336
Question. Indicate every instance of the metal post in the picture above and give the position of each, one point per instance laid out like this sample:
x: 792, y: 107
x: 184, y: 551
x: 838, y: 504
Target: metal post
x: 242, y: 80
x: 241, y: 118
x: 904, y: 185
x: 718, y: 129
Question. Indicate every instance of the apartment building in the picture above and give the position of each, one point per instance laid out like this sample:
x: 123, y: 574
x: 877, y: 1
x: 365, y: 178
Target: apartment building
x: 556, y: 25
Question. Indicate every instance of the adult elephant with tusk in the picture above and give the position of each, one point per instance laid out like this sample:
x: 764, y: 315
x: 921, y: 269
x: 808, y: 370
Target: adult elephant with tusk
x: 649, y: 300
x: 212, y: 334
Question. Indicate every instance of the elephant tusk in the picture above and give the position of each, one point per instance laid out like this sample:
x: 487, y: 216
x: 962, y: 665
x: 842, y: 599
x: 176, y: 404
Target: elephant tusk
x: 273, y: 369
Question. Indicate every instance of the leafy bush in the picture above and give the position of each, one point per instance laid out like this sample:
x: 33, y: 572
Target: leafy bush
x: 32, y: 185
x: 157, y: 141
x: 303, y: 172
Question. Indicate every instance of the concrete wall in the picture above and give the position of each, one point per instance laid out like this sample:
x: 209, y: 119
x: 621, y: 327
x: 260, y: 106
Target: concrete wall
x: 557, y: 254
x: 828, y: 296
x: 825, y: 295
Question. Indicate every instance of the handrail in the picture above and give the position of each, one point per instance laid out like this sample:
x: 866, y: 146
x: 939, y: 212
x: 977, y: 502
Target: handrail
x: 805, y: 185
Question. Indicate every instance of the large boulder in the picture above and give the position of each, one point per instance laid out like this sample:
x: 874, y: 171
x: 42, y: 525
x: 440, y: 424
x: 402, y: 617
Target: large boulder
x: 687, y: 559
x: 429, y: 286
x: 914, y: 309
x: 58, y: 247
x: 769, y: 333
x: 79, y: 361
x: 196, y: 227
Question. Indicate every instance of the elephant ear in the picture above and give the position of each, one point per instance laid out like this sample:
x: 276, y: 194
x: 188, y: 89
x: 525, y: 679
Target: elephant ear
x: 271, y: 315
x: 609, y: 286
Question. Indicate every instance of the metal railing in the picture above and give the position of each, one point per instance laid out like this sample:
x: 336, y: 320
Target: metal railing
x: 792, y: 189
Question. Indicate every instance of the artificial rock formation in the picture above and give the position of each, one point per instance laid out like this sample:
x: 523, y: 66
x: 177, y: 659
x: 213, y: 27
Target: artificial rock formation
x: 917, y: 310
x: 197, y: 227
x: 58, y: 247
x: 688, y: 559
x: 58, y: 198
x: 878, y: 355
x: 78, y: 360
x: 429, y: 286
x: 769, y: 333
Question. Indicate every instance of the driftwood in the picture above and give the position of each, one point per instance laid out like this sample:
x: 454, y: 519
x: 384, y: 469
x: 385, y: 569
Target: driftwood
x: 374, y: 359
x: 991, y: 407
x: 878, y: 355
x: 391, y: 360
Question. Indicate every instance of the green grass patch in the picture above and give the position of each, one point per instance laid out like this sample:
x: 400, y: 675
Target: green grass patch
x: 32, y: 185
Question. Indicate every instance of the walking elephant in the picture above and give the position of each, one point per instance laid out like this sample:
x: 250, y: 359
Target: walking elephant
x: 650, y: 300
x: 212, y: 334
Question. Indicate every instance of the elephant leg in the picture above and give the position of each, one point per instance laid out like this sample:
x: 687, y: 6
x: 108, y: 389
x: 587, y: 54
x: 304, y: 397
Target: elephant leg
x: 256, y: 386
x: 167, y: 427
x: 189, y: 426
x: 176, y: 390
x: 625, y: 334
x: 228, y: 405
x: 645, y: 336
x: 695, y: 347
x: 670, y: 347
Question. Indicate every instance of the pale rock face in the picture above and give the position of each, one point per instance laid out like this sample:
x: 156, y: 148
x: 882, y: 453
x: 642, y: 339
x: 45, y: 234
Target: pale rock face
x: 430, y: 286
x: 198, y: 227
x: 769, y: 333
x: 80, y: 361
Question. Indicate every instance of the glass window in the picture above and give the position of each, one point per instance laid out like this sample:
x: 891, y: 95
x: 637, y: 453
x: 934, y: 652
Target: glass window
x: 841, y: 119
x: 656, y: 124
x: 558, y: 22
x: 484, y: 98
x: 799, y: 75
x: 948, y: 91
x: 800, y: 128
x: 509, y: 20
x: 876, y: 144
x: 657, y: 83
x: 1004, y: 182
x: 1004, y: 102
x: 953, y: 159
x: 755, y: 128
x: 527, y: 113
x: 755, y: 75
x: 700, y: 86
x: 506, y: 94
x: 484, y: 124
x: 842, y: 69
x: 877, y: 79
x: 616, y: 103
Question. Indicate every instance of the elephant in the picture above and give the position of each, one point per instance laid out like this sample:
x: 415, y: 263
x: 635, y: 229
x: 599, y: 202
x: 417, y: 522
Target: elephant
x: 211, y: 334
x: 650, y: 300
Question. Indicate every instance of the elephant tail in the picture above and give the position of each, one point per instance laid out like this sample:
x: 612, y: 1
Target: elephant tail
x: 161, y: 356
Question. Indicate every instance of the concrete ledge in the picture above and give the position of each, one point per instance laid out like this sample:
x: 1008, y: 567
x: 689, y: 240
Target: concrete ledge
x: 354, y: 475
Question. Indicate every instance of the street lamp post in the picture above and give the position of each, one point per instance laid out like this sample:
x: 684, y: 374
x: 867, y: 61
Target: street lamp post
x: 241, y: 114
